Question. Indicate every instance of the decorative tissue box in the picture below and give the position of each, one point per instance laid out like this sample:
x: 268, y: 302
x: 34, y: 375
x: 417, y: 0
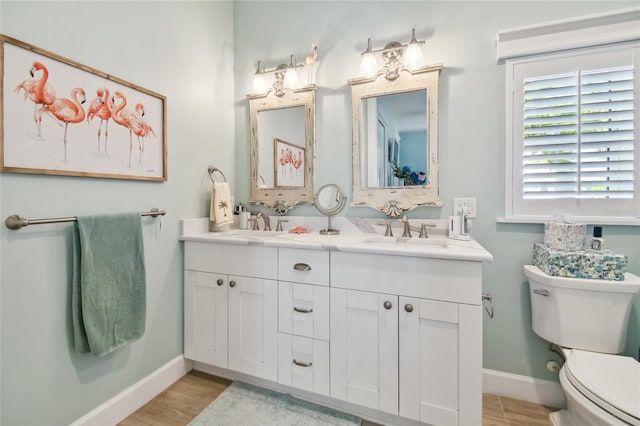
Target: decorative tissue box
x: 565, y: 236
x: 599, y: 265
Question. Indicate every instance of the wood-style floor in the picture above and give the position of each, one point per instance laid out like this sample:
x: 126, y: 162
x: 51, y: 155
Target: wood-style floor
x: 182, y: 401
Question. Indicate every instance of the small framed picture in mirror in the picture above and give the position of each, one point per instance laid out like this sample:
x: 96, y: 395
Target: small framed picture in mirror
x: 289, y: 164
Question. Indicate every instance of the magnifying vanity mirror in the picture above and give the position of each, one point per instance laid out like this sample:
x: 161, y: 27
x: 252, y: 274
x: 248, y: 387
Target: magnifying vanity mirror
x: 330, y: 200
x: 282, y: 148
x: 395, y: 140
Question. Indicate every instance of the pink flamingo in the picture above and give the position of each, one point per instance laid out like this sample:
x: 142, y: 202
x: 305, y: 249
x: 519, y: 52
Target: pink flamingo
x: 40, y: 92
x: 144, y: 131
x: 99, y: 107
x: 127, y: 118
x: 67, y: 111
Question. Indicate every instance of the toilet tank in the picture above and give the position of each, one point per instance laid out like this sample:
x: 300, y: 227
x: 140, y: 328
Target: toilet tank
x: 592, y: 315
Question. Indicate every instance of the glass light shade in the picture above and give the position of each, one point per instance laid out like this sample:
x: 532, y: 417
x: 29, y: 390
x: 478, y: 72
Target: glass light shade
x: 413, y: 56
x: 259, y: 83
x: 368, y: 66
x: 291, y: 78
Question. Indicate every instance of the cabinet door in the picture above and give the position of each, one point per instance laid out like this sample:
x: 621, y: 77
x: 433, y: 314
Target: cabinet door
x: 431, y: 337
x: 364, y: 348
x: 205, y: 317
x: 253, y: 326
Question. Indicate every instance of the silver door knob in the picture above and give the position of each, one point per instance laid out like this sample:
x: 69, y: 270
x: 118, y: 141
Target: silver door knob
x: 232, y: 283
x: 219, y: 282
x: 408, y: 307
x: 387, y: 305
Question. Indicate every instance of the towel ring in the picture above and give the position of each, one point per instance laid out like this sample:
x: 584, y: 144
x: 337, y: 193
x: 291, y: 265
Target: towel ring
x: 212, y: 169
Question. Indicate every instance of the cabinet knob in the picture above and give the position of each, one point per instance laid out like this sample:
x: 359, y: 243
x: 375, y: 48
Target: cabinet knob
x: 387, y: 305
x: 232, y: 283
x: 219, y: 282
x: 408, y: 307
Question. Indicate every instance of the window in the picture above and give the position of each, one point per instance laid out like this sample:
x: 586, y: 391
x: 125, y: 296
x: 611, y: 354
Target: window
x: 572, y: 134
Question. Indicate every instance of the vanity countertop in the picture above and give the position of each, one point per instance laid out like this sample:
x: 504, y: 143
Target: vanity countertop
x: 357, y: 235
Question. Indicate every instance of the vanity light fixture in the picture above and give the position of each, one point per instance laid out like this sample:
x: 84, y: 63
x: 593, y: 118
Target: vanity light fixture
x: 259, y: 83
x: 291, y: 76
x: 284, y: 76
x: 392, y: 53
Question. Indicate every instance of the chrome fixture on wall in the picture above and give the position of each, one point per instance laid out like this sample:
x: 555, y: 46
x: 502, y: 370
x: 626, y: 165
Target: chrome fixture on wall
x: 395, y: 55
x: 285, y: 76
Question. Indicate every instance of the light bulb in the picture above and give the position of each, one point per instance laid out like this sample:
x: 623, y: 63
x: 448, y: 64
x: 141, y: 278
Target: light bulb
x: 368, y: 65
x: 291, y: 76
x: 413, y: 54
x: 259, y: 82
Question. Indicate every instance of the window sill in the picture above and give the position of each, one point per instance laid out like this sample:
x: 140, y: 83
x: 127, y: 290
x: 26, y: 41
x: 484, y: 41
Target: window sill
x: 597, y: 220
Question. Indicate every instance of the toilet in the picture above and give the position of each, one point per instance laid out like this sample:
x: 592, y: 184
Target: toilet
x: 588, y: 320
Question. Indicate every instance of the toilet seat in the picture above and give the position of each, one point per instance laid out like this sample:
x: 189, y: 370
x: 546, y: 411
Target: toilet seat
x: 610, y: 381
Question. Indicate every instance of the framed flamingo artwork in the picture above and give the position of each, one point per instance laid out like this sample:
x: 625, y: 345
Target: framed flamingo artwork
x: 60, y: 117
x: 289, y: 162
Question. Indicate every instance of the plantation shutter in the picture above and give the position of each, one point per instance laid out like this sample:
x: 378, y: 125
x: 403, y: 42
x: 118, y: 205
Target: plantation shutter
x: 578, y: 135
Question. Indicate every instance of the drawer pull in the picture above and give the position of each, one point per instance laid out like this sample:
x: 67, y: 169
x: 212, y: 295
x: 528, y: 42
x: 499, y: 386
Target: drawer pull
x: 301, y: 267
x: 232, y: 283
x: 302, y: 364
x: 303, y: 310
x: 219, y: 282
x: 541, y: 292
x: 387, y: 305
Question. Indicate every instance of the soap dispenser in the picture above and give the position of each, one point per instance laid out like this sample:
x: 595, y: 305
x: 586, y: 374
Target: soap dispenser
x: 597, y: 242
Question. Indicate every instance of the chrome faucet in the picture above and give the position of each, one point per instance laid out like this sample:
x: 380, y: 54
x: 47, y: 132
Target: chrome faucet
x: 406, y: 233
x: 266, y: 220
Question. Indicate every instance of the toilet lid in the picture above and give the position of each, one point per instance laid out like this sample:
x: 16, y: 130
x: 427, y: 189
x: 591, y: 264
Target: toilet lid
x: 611, y: 381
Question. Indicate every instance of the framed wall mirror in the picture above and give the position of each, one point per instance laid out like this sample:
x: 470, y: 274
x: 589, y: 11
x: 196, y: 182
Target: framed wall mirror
x: 282, y: 148
x: 395, y: 140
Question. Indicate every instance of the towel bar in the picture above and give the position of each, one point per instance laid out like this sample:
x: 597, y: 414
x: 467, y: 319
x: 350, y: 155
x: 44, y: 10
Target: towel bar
x: 212, y: 169
x: 16, y: 221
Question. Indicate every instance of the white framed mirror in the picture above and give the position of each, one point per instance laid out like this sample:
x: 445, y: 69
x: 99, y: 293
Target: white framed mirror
x: 395, y: 140
x: 282, y: 148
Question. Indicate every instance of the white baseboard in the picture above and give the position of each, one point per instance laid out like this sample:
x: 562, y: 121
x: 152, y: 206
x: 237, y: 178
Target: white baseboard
x: 539, y: 391
x: 135, y: 396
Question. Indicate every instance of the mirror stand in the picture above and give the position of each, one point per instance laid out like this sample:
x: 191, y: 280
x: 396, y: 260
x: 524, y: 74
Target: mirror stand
x: 329, y: 201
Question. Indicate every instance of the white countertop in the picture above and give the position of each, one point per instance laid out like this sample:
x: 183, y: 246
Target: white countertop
x: 356, y: 235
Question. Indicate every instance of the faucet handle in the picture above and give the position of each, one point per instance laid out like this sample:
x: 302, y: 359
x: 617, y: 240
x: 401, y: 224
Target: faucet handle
x: 388, y: 232
x: 423, y: 231
x: 254, y: 226
x: 279, y: 225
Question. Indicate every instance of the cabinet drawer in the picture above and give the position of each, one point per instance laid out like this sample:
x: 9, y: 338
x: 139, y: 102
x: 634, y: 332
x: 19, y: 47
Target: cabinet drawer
x: 440, y: 279
x: 304, y: 266
x: 303, y: 310
x: 243, y: 260
x: 303, y: 363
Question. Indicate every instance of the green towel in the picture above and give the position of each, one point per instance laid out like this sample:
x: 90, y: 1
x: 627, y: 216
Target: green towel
x: 108, y: 296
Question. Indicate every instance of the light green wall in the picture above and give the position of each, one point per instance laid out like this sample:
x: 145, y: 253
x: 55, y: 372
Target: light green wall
x: 461, y: 35
x: 183, y: 50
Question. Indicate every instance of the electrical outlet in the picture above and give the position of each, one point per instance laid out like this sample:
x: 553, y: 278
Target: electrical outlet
x: 464, y: 206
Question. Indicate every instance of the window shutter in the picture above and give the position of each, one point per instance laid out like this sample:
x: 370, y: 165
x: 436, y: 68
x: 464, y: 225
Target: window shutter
x: 578, y: 135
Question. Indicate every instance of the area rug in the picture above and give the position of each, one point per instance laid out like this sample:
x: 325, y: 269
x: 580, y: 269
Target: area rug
x: 246, y: 405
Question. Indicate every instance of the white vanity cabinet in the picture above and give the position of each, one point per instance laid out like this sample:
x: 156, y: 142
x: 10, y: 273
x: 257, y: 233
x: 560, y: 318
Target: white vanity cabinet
x: 231, y: 307
x: 391, y: 332
x: 422, y: 318
x: 303, y: 317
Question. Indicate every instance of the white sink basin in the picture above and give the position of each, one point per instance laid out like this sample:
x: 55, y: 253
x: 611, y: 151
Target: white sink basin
x: 249, y: 233
x: 400, y: 241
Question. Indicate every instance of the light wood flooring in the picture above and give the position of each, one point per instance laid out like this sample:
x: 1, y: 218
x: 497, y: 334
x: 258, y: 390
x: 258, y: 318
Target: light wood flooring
x: 182, y: 401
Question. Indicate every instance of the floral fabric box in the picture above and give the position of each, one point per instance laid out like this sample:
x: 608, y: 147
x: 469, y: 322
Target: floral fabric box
x: 565, y: 236
x: 599, y: 265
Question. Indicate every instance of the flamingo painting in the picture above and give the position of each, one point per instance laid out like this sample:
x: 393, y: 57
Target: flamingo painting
x: 39, y: 91
x: 67, y: 111
x: 99, y: 107
x: 127, y: 118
